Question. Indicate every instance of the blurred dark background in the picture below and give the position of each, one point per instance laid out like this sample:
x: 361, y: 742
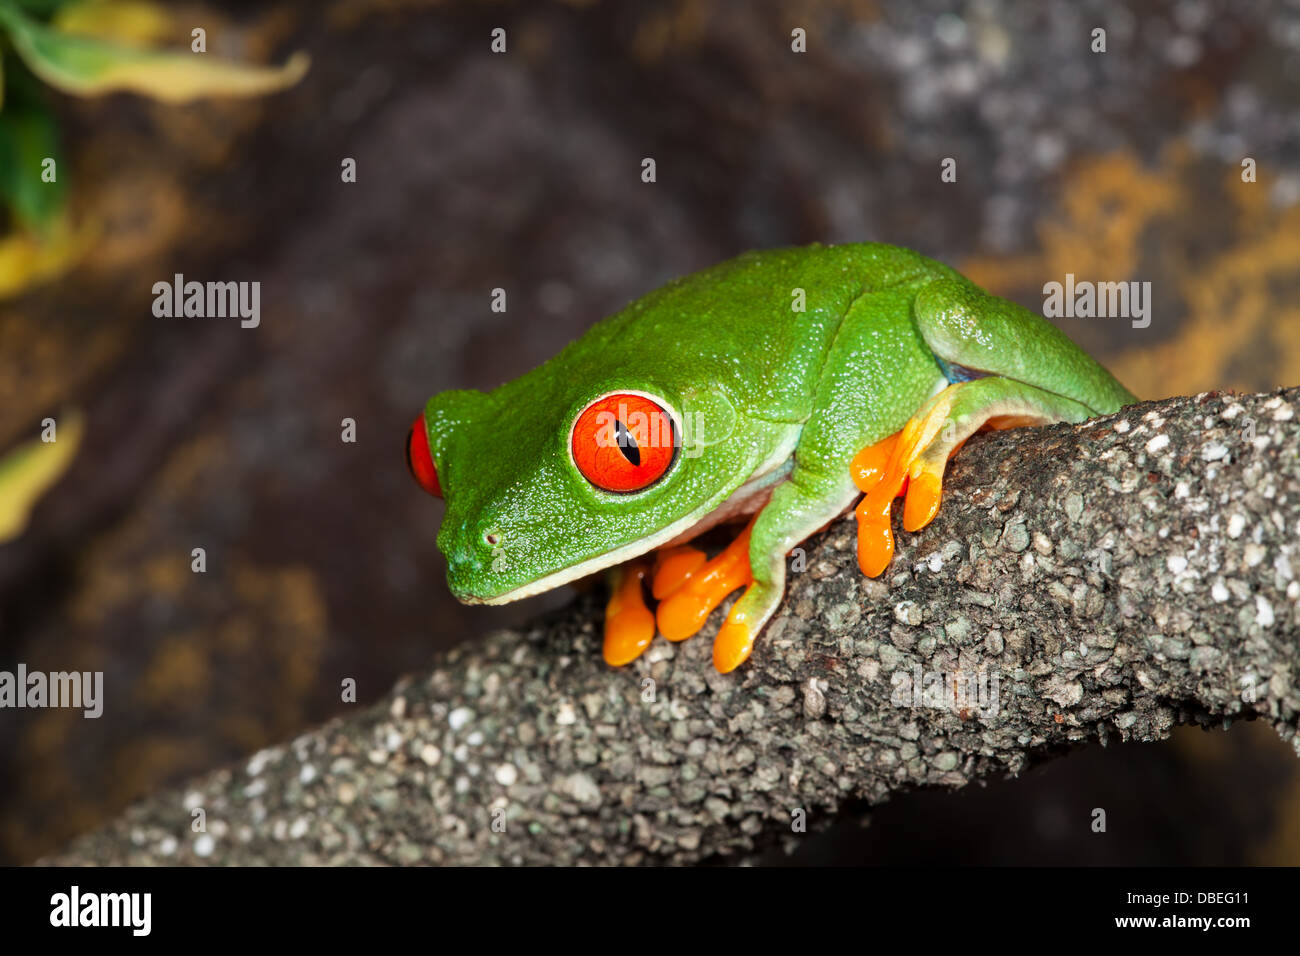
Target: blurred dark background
x: 522, y: 171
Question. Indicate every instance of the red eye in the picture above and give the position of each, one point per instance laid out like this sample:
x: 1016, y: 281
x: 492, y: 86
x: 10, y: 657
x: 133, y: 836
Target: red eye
x: 419, y: 459
x: 624, y: 442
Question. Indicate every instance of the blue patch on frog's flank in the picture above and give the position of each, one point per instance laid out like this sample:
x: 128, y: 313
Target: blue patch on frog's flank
x: 955, y: 373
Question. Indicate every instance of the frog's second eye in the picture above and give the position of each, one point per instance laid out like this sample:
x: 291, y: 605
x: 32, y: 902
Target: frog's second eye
x: 420, y: 460
x: 624, y: 442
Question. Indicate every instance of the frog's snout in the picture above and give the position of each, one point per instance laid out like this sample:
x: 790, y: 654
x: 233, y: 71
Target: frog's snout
x: 463, y: 569
x: 469, y: 561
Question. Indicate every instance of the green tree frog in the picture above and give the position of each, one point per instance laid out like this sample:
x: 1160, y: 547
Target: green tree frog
x: 779, y: 387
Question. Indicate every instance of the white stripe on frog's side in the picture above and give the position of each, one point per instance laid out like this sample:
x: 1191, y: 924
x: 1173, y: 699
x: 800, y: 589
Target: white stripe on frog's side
x: 746, y: 499
x: 940, y: 384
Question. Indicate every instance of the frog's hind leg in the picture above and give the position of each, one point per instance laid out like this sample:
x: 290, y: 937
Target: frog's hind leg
x: 1007, y: 366
x: 914, y: 460
x: 975, y: 335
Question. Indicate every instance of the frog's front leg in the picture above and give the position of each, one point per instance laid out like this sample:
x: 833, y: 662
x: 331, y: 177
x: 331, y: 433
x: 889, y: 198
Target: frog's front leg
x: 798, y: 508
x: 688, y: 587
x: 687, y: 600
x: 691, y: 588
x: 876, y: 373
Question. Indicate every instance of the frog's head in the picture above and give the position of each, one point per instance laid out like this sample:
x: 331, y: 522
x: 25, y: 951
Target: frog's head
x: 547, y: 480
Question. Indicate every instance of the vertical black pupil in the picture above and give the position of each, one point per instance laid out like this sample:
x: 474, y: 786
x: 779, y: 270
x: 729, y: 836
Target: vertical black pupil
x: 627, y: 444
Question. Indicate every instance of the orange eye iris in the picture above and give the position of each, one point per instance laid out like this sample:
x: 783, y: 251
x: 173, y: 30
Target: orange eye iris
x: 624, y: 442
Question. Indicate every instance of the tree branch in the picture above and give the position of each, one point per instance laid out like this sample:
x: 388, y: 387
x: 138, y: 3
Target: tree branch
x: 1110, y: 579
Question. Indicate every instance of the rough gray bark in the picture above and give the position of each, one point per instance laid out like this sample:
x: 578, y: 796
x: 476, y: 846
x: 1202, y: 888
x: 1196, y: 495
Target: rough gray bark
x: 1116, y: 578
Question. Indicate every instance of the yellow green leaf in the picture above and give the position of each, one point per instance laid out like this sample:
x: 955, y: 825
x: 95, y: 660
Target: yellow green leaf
x: 29, y: 471
x: 132, y: 22
x: 84, y: 66
x: 29, y: 258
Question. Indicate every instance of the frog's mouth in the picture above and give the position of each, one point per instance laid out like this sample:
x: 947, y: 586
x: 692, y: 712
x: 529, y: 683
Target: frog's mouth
x: 745, y: 500
x: 601, y: 561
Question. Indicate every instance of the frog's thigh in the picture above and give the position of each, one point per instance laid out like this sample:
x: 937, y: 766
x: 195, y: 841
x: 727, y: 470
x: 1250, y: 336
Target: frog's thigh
x: 965, y: 326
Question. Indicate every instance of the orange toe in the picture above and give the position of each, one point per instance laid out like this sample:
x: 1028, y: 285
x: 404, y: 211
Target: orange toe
x: 923, y: 494
x: 733, y: 645
x: 629, y: 625
x: 684, y: 611
x: 674, y: 567
x: 915, y: 462
x: 875, y: 537
x: 869, y: 464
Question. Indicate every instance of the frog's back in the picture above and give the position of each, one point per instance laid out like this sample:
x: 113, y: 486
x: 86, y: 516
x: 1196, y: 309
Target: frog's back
x: 758, y: 326
x: 761, y: 324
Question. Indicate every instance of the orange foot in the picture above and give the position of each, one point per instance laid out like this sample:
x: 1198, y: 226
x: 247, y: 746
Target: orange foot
x: 910, y: 461
x: 688, y: 602
x: 688, y: 588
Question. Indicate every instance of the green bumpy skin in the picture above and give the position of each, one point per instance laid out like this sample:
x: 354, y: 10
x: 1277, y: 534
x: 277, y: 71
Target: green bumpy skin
x: 774, y: 403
